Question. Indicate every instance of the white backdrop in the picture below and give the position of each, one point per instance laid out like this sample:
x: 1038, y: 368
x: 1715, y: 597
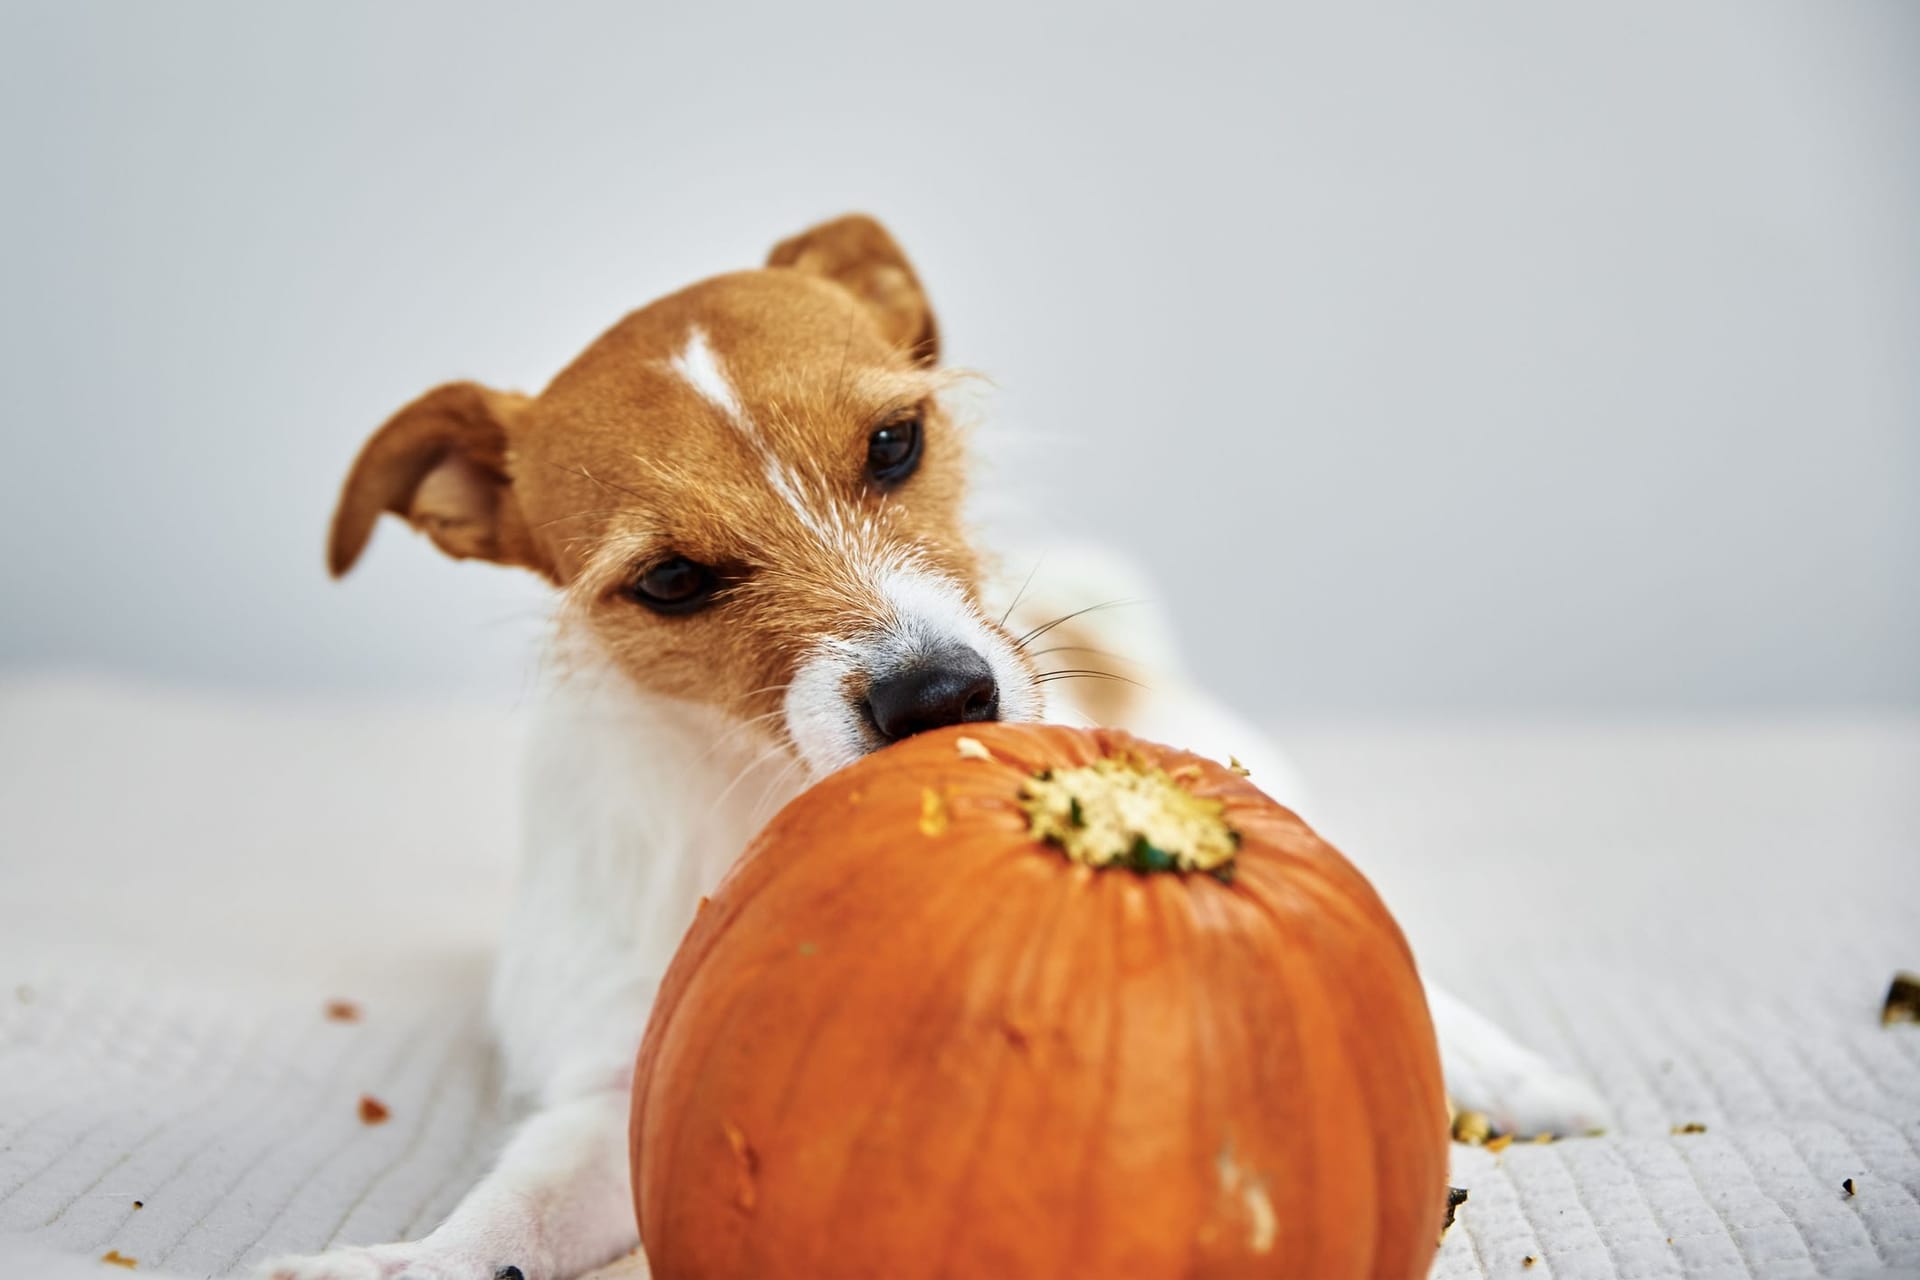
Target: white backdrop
x: 1495, y: 357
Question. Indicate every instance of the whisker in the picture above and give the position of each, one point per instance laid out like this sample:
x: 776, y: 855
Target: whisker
x: 1086, y: 721
x: 721, y: 800
x: 846, y: 348
x: 1045, y: 627
x: 1021, y: 593
x: 580, y: 515
x: 775, y: 792
x: 1050, y: 676
x: 734, y: 734
x: 1078, y: 648
x: 590, y: 478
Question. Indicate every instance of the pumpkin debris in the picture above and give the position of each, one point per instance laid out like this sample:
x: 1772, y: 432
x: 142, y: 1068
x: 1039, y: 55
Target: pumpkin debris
x: 1233, y: 763
x: 139, y: 1204
x: 972, y: 749
x: 1238, y: 1183
x: 1266, y: 1224
x: 342, y: 1011
x: 372, y: 1110
x: 1500, y: 1142
x: 1691, y: 1126
x: 1846, y: 1185
x: 1528, y: 1261
x: 115, y: 1258
x: 1903, y: 1000
x: 1128, y: 813
x: 1472, y: 1128
x: 747, y: 1162
x: 934, y: 818
x: 1456, y: 1196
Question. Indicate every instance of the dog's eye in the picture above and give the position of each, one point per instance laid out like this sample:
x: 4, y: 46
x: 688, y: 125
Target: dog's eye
x: 893, y: 452
x: 678, y: 585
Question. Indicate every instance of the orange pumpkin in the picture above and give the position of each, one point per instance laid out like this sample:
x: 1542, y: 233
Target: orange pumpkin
x: 1021, y: 1001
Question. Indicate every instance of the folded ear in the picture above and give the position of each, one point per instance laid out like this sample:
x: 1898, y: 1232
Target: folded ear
x: 858, y: 253
x: 442, y: 463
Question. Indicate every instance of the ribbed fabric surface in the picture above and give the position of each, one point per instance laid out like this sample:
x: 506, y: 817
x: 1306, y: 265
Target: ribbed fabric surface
x: 1702, y: 917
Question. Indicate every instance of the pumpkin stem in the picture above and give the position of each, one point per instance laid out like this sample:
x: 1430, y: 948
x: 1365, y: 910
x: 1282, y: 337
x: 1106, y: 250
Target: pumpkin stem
x: 1129, y: 813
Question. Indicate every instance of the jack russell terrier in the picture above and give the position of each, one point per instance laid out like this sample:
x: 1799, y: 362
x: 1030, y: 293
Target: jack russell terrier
x: 749, y: 497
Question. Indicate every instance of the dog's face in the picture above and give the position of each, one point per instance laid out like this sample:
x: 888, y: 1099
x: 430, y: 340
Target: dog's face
x: 749, y: 493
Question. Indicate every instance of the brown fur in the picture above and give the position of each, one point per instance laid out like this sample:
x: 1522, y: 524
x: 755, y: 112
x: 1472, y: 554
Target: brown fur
x: 620, y: 463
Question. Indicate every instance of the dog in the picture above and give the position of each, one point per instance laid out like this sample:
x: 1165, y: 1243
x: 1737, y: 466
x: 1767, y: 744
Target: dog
x: 750, y: 499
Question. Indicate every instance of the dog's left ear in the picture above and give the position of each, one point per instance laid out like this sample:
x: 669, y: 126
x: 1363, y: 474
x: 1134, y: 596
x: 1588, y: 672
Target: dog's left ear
x: 441, y: 462
x: 857, y: 253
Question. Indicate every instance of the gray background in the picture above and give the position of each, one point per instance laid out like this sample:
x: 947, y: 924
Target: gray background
x: 1501, y: 358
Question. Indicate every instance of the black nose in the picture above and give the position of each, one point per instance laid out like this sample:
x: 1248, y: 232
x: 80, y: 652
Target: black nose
x: 954, y: 687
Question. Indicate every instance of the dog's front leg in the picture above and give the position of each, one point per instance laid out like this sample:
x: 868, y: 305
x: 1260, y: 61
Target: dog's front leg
x: 1517, y: 1089
x: 556, y: 1205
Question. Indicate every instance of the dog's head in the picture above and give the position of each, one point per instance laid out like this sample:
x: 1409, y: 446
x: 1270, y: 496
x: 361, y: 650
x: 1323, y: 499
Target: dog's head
x: 749, y: 492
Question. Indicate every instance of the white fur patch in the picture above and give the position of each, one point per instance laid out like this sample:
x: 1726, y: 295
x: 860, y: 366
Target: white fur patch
x: 699, y: 364
x: 823, y: 722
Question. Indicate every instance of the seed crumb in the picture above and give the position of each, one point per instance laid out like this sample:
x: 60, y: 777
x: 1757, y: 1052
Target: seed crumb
x: 342, y: 1011
x: 139, y: 1204
x: 1472, y: 1128
x: 1233, y: 764
x: 1500, y: 1143
x: 746, y: 1165
x: 972, y: 749
x: 115, y: 1258
x: 1903, y: 1000
x: 1528, y: 1261
x: 372, y: 1110
x: 933, y: 812
x: 1691, y: 1126
x: 1846, y: 1185
x: 1456, y: 1196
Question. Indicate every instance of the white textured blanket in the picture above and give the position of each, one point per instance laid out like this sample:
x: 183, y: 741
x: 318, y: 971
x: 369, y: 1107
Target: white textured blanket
x: 1703, y: 918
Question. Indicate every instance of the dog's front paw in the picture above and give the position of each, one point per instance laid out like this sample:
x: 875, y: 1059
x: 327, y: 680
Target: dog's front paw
x: 421, y: 1261
x: 1526, y: 1098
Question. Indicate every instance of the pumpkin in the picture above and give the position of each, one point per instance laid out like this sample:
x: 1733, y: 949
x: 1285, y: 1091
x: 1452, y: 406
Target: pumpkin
x: 1028, y: 1001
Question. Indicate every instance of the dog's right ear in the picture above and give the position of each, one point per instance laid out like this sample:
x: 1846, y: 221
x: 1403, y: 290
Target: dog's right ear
x: 442, y: 463
x: 856, y: 253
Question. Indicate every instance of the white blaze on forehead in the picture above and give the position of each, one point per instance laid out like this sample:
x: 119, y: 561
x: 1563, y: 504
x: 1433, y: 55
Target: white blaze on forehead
x: 813, y: 511
x: 699, y: 364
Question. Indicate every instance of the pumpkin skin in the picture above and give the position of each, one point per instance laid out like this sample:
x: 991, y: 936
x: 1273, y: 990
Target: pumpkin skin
x: 906, y: 1039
